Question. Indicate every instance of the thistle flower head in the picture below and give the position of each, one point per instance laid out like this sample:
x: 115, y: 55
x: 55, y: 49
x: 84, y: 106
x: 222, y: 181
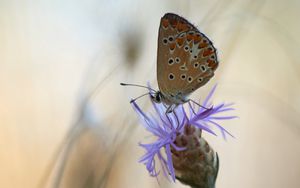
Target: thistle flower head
x: 168, y: 127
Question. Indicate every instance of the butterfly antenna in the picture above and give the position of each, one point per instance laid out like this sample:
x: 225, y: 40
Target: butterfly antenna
x: 123, y: 84
x: 200, y: 105
x: 132, y: 100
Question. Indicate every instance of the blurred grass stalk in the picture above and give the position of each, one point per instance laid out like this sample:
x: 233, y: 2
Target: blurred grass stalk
x: 88, y: 152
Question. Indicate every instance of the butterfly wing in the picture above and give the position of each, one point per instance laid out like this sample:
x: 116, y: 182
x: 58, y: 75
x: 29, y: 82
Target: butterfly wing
x: 186, y: 58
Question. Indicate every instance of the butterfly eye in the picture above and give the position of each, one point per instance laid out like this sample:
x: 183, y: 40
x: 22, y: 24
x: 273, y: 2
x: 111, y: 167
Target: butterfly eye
x: 157, y: 98
x: 195, y: 56
x: 203, y: 68
x: 190, y: 79
x: 171, y: 61
x: 171, y: 76
x: 186, y: 48
x: 177, y: 59
x: 183, y: 76
x: 165, y: 41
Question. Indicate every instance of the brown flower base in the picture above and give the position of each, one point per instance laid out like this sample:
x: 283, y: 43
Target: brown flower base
x: 197, y: 165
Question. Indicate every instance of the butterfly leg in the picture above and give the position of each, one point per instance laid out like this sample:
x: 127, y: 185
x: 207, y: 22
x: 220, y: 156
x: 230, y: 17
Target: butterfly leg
x: 191, y: 100
x: 178, y: 124
x: 171, y: 108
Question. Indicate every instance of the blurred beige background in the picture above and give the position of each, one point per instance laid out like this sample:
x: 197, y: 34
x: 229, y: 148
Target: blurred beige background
x: 66, y: 122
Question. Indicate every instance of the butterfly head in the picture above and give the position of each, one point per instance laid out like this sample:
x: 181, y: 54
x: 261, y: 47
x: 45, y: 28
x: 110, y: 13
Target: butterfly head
x: 157, y: 97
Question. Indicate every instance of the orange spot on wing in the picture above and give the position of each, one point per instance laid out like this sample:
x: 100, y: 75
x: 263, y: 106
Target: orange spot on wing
x: 212, y: 64
x: 197, y: 38
x: 211, y: 49
x: 180, y: 41
x: 181, y: 27
x: 172, y: 46
x: 207, y: 53
x: 189, y: 37
x: 202, y: 45
x: 173, y: 23
x: 165, y: 23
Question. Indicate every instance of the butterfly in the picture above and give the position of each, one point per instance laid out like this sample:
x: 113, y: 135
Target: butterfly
x: 186, y: 60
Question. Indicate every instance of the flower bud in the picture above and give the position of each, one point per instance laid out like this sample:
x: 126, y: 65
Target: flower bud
x: 197, y: 165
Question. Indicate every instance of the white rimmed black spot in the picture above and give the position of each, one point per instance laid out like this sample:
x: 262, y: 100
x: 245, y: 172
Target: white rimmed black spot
x: 183, y: 76
x: 171, y: 61
x: 203, y: 68
x: 170, y: 39
x: 200, y: 79
x: 186, y: 48
x: 171, y: 76
x: 177, y: 60
x: 165, y: 41
x: 196, y: 65
x: 189, y: 79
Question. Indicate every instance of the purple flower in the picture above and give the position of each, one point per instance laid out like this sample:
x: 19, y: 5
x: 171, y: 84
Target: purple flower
x: 165, y: 128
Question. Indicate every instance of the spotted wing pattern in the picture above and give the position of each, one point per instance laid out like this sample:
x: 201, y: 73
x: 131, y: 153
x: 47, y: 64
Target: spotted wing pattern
x: 186, y: 58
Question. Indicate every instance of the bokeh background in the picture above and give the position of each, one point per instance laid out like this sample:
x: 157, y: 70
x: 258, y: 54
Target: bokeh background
x: 66, y: 122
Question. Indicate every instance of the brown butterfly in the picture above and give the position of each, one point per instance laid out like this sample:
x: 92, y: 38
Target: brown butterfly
x: 186, y: 60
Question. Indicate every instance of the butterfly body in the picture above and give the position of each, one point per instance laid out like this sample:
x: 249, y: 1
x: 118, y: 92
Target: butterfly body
x: 186, y: 60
